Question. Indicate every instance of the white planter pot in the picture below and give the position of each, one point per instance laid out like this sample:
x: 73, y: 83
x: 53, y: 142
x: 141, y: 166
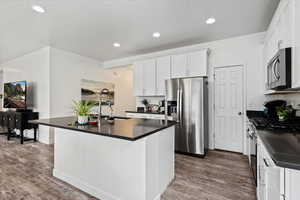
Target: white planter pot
x: 83, y: 119
x: 281, y: 118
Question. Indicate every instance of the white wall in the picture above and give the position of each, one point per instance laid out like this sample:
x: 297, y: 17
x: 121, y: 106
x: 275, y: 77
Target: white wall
x: 55, y: 78
x: 67, y: 69
x: 34, y: 68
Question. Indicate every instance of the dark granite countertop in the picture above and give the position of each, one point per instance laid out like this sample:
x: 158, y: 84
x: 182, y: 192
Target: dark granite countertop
x: 282, y: 146
x: 157, y: 113
x: 123, y: 128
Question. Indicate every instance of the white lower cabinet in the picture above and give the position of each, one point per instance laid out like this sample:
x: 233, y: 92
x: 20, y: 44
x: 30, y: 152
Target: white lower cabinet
x: 273, y: 182
x: 292, y: 184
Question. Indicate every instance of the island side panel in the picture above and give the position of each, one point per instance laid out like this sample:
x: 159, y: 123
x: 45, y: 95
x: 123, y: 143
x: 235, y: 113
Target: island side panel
x: 107, y: 168
x: 111, y: 168
x: 160, y: 162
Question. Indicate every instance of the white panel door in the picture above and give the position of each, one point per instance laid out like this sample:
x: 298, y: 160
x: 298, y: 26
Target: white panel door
x: 197, y: 64
x: 163, y: 72
x: 138, y: 77
x: 229, y: 108
x: 179, y: 65
x: 149, y: 77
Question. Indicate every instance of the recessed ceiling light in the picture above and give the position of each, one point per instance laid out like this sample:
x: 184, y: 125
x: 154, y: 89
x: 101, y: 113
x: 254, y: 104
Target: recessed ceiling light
x: 116, y: 44
x: 211, y: 20
x: 156, y: 34
x: 38, y: 9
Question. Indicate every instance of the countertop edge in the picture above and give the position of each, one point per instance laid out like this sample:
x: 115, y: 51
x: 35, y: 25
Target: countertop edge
x: 103, y: 134
x: 151, y: 113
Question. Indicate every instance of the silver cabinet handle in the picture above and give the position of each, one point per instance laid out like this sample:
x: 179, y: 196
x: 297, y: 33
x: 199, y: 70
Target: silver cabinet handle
x: 266, y: 163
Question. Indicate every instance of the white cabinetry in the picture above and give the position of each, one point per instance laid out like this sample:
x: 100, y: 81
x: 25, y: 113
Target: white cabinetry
x: 296, y: 36
x: 292, y: 184
x: 197, y: 64
x: 189, y: 65
x: 284, y: 32
x: 179, y: 66
x: 138, y: 79
x: 145, y: 78
x: 149, y: 70
x: 150, y: 75
x: 163, y: 72
x: 275, y: 183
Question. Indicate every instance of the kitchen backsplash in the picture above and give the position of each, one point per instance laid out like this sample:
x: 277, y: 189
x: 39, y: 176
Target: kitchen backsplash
x: 152, y: 100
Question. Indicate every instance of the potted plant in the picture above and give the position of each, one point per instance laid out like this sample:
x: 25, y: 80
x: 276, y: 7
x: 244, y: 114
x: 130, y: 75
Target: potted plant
x: 145, y: 102
x: 82, y: 109
x: 283, y: 113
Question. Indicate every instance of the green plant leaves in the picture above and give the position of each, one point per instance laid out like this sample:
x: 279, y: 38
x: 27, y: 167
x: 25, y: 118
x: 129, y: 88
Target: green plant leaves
x: 82, y: 108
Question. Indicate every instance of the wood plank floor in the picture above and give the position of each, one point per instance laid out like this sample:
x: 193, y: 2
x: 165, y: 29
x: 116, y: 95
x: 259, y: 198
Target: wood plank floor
x: 25, y: 174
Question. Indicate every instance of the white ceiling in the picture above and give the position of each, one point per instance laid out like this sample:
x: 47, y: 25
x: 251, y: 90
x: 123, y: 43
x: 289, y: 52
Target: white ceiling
x: 90, y: 27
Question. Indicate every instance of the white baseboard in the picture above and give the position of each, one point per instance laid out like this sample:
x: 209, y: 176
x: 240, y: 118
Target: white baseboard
x: 96, y: 192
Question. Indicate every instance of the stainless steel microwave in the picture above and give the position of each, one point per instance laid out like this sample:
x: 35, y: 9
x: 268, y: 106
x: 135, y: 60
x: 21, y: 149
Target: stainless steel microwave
x: 279, y: 70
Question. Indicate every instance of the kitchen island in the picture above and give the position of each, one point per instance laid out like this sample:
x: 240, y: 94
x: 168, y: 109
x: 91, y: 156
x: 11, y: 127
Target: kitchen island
x: 131, y: 159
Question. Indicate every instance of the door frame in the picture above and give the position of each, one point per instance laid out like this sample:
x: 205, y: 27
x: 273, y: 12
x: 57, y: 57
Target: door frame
x: 244, y: 67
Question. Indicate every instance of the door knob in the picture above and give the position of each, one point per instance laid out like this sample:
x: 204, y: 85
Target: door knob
x: 240, y: 113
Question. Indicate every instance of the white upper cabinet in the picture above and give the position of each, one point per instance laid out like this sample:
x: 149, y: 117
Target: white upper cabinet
x: 163, y: 72
x: 149, y: 67
x: 284, y: 32
x: 286, y: 26
x: 150, y: 75
x: 197, y: 64
x: 189, y: 65
x: 138, y: 77
x: 145, y: 78
x: 296, y: 52
x: 179, y: 66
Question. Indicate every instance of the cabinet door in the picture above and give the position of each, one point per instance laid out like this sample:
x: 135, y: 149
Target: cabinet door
x: 163, y: 72
x: 292, y: 183
x: 179, y: 66
x: 272, y: 181
x: 138, y: 79
x: 197, y: 64
x: 285, y: 25
x: 261, y: 185
x: 296, y: 52
x: 149, y: 77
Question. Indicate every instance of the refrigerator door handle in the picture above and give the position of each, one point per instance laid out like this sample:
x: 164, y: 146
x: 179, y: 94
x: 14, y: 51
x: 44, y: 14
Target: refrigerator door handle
x: 178, y: 106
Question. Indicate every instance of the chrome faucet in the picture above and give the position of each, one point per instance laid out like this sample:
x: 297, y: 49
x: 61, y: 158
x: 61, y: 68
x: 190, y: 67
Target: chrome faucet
x: 104, y: 92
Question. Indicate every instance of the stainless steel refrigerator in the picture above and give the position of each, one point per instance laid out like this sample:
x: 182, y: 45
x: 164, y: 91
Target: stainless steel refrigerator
x: 187, y: 102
